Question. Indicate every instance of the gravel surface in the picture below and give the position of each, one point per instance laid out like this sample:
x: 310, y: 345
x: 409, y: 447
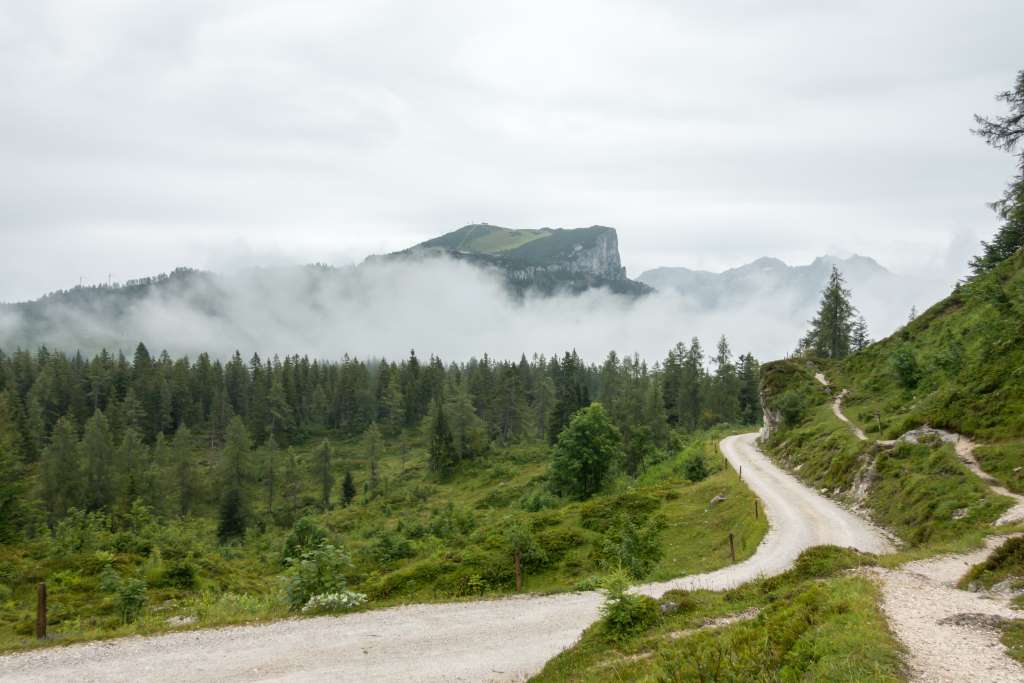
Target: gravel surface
x: 948, y: 632
x: 493, y: 640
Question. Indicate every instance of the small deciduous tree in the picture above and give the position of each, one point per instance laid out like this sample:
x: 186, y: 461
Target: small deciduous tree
x: 584, y: 453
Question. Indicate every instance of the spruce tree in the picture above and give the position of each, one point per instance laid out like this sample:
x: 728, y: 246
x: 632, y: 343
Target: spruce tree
x: 186, y: 482
x: 271, y: 452
x: 443, y: 456
x: 61, y: 484
x: 13, y: 503
x: 859, y: 334
x: 1005, y: 133
x: 97, y: 454
x: 371, y: 448
x: 348, y: 489
x: 323, y: 460
x: 832, y: 328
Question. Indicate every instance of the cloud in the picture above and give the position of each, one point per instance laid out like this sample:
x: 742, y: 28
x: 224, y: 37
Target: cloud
x: 437, y: 306
x: 145, y: 135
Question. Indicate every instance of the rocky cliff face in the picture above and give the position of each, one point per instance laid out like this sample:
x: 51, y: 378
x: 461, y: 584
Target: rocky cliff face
x: 546, y: 260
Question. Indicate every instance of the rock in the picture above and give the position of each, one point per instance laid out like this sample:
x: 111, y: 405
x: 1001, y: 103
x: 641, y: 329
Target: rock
x: 669, y: 607
x: 717, y: 499
x: 960, y: 514
x: 181, y: 620
x: 973, y: 619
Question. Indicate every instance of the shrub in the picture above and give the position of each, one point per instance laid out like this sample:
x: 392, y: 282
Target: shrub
x: 305, y: 534
x: 179, y: 574
x: 633, y: 546
x: 131, y: 597
x: 695, y: 468
x: 317, y: 571
x: 333, y: 602
x: 624, y: 615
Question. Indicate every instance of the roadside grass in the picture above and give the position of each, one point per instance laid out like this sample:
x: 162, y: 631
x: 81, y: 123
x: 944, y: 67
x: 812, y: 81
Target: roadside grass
x: 416, y: 540
x: 814, y: 622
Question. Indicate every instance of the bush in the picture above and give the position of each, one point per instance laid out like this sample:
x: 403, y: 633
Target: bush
x: 179, y: 574
x: 333, y: 602
x: 624, y: 615
x: 695, y: 468
x: 317, y: 571
x: 305, y: 534
x: 131, y: 597
x: 633, y: 546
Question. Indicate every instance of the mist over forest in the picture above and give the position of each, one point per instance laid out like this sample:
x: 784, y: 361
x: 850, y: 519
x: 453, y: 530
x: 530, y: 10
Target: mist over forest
x: 437, y: 305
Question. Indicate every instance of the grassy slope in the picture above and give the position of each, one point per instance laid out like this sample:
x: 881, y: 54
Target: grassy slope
x: 815, y: 623
x: 447, y: 533
x: 966, y: 356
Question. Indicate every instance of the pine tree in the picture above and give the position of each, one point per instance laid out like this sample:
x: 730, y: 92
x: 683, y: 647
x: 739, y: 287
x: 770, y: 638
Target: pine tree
x: 859, y: 335
x: 61, y: 485
x: 371, y: 447
x: 1005, y: 133
x: 750, y: 390
x: 291, y: 486
x: 348, y: 489
x: 232, y: 518
x: 271, y: 452
x: 234, y: 475
x: 725, y: 403
x: 323, y: 459
x: 832, y: 328
x: 97, y: 454
x: 443, y: 457
x: 185, y: 478
x: 393, y: 408
x: 13, y: 503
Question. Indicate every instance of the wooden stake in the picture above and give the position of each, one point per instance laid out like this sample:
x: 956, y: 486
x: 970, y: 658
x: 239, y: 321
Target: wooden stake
x: 755, y: 509
x: 732, y: 548
x: 41, y: 610
x: 519, y: 571
x: 741, y: 472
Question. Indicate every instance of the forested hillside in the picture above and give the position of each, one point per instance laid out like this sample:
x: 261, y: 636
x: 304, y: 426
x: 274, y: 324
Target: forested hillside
x: 198, y: 491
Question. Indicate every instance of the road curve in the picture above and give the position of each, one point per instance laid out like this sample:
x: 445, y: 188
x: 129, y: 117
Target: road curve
x: 506, y: 639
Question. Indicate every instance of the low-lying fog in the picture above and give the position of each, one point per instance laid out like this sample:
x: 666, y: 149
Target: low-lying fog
x: 450, y: 309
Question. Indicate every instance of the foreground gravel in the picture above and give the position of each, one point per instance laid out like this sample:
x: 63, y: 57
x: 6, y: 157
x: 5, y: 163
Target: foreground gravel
x: 491, y: 640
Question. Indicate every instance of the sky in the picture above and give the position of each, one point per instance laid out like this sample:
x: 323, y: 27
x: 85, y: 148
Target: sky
x: 139, y: 136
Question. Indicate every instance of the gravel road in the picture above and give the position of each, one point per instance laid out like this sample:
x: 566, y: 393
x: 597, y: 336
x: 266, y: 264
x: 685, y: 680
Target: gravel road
x: 506, y: 639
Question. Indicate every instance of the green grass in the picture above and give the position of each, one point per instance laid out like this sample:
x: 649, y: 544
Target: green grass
x: 815, y: 622
x: 418, y: 540
x: 1004, y: 462
x: 969, y: 352
x: 1005, y: 563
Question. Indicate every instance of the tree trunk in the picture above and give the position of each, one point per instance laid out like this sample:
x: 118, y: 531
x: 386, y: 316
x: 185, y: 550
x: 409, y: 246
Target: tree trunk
x: 519, y: 571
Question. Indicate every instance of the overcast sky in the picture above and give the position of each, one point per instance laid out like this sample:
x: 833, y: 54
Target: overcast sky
x: 140, y: 136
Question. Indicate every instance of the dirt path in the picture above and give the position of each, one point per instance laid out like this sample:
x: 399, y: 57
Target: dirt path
x: 472, y: 641
x: 951, y: 635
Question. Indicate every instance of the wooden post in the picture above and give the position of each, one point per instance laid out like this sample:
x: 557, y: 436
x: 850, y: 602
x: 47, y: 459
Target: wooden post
x: 878, y: 418
x: 741, y: 472
x: 732, y: 548
x: 519, y: 571
x: 755, y: 509
x: 41, y: 610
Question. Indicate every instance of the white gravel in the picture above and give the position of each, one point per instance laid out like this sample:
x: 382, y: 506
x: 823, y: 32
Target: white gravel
x: 472, y: 641
x: 919, y: 598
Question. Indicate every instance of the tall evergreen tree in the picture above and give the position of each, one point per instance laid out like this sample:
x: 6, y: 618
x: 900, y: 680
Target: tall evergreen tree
x: 323, y: 459
x: 348, y: 489
x: 443, y: 456
x: 584, y: 453
x: 832, y: 328
x: 1005, y: 133
x: 60, y: 471
x: 186, y: 481
x: 859, y: 334
x: 13, y: 503
x: 371, y: 447
x: 97, y: 453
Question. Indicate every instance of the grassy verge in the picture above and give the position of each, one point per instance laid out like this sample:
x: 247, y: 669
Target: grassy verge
x: 815, y: 622
x: 416, y: 540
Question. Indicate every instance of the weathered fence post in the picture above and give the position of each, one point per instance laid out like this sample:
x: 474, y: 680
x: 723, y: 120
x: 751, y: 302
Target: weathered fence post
x: 41, y: 610
x: 756, y: 516
x: 741, y: 472
x: 732, y: 548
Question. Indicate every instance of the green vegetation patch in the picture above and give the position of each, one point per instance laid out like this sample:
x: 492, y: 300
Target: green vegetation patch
x: 1005, y: 564
x: 1004, y: 462
x: 814, y: 622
